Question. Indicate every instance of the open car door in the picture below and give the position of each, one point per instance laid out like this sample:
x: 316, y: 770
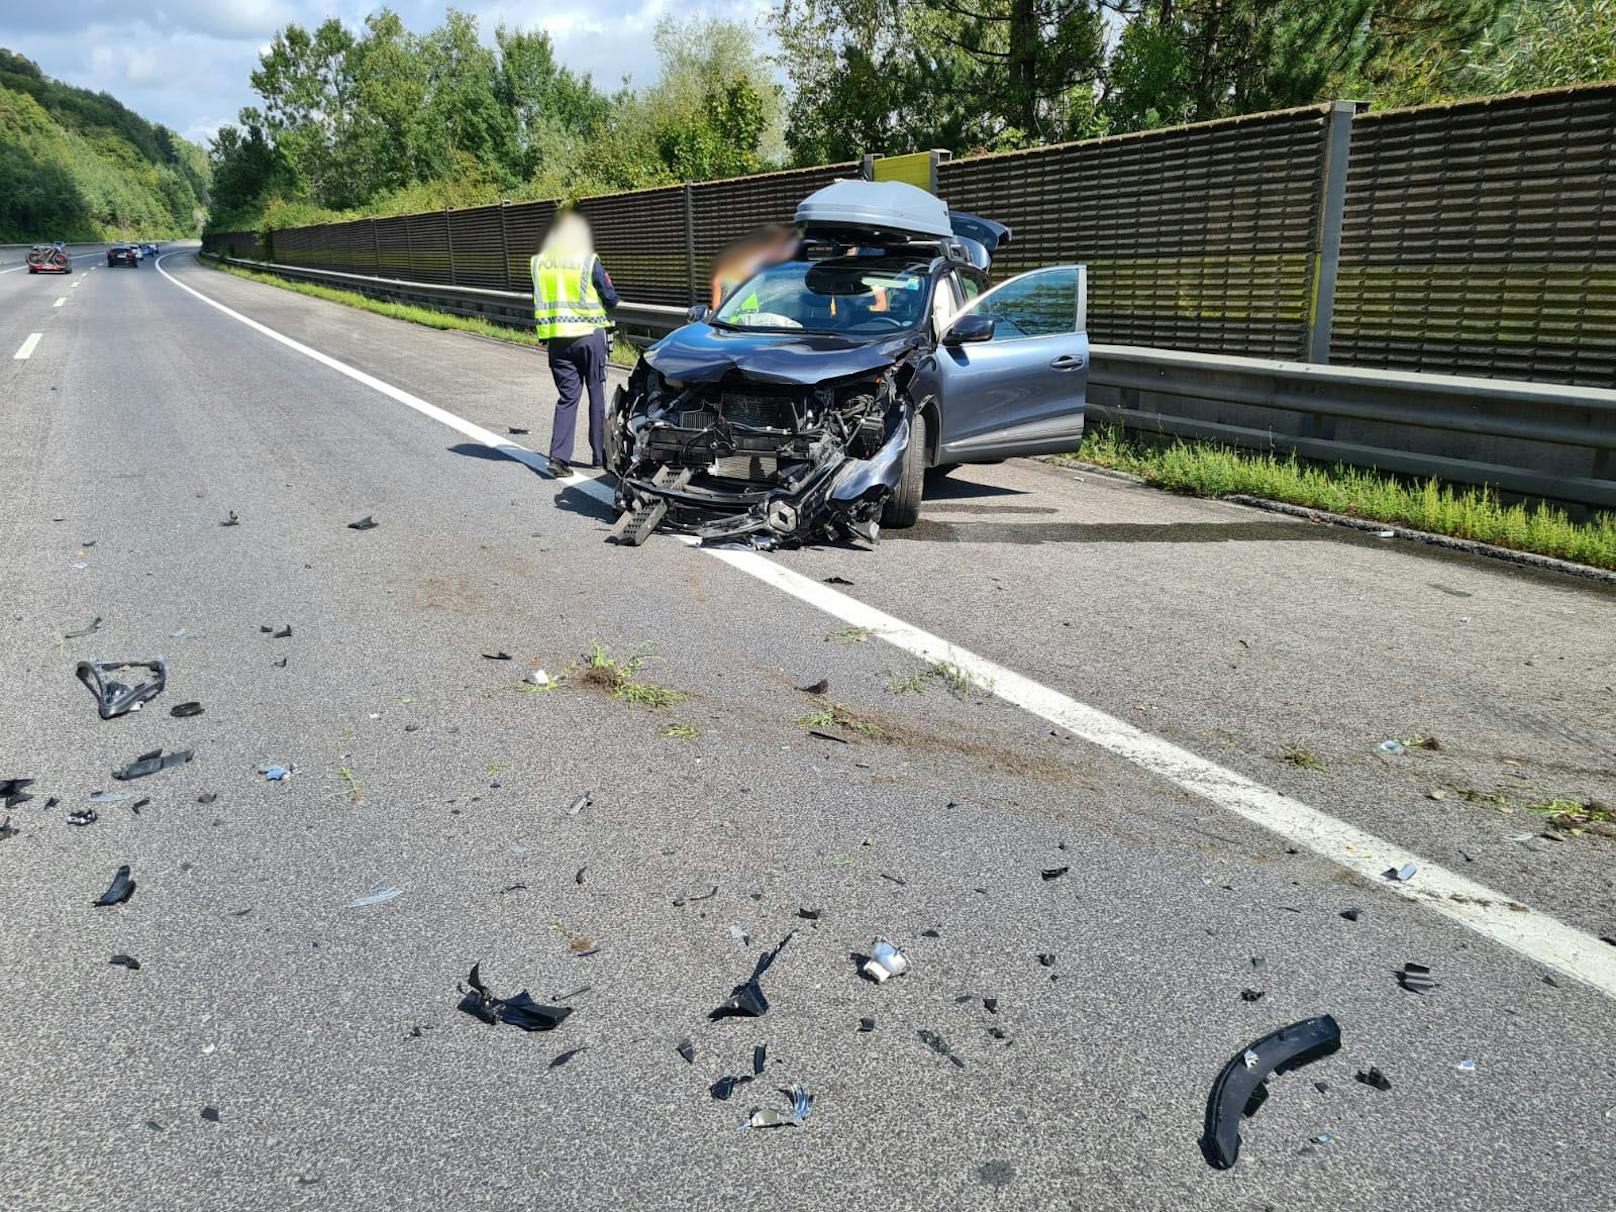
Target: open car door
x: 1017, y: 384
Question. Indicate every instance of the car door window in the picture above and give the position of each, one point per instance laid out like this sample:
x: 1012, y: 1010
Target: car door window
x: 1042, y: 303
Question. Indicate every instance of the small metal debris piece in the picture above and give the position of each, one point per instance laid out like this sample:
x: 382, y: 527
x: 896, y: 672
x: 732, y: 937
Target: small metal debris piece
x: 1323, y: 1138
x: 120, y: 890
x: 812, y: 915
x: 1352, y: 915
x: 1046, y: 958
x: 109, y: 797
x: 112, y: 697
x: 801, y: 1104
x: 519, y: 1011
x: 185, y: 710
x: 760, y: 1059
x: 1404, y: 873
x: 687, y: 1050
x: 1374, y: 1078
x: 1251, y: 1059
x: 83, y: 816
x: 940, y: 1046
x: 885, y: 961
x: 126, y: 961
x: 1253, y: 995
x: 579, y: 804
x: 1054, y: 873
x: 365, y: 523
x: 827, y: 736
x: 1393, y: 747
x: 896, y: 879
x: 152, y: 763
x: 89, y: 628
x: 379, y: 894
x: 866, y: 1025
x: 1466, y: 1066
x: 1416, y: 978
x: 230, y: 519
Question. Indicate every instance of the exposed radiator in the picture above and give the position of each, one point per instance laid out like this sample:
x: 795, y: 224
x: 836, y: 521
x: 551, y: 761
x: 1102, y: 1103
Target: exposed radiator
x: 756, y: 468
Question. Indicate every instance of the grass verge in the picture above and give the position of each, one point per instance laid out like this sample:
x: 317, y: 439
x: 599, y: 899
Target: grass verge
x: 1211, y: 470
x: 623, y: 354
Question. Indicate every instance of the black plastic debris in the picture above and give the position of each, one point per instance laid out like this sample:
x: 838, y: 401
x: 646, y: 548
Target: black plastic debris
x: 930, y: 934
x: 280, y: 664
x: 564, y: 1057
x: 1241, y: 1086
x: 686, y: 1049
x: 139, y: 804
x: 89, y: 628
x: 283, y: 632
x: 126, y: 961
x: 230, y: 519
x: 1054, y: 873
x: 1253, y: 995
x: 152, y: 763
x: 579, y: 878
x: 514, y: 429
x: 1416, y: 978
x: 1402, y: 874
x: 519, y: 1011
x: 83, y: 816
x: 747, y: 999
x: 185, y: 711
x: 990, y: 1004
x: 760, y: 1059
x: 1374, y: 1078
x: 120, y: 890
x: 1046, y: 958
x: 896, y: 879
x: 8, y: 830
x: 827, y: 736
x: 725, y: 1086
x: 1352, y: 915
x: 811, y: 915
x: 496, y: 656
x: 837, y: 581
x: 365, y: 523
x: 211, y: 1114
x: 866, y: 1025
x: 685, y: 898
x: 820, y: 687
x: 114, y: 698
x: 1322, y: 1087
x: 940, y: 1046
x: 207, y: 797
x: 13, y: 791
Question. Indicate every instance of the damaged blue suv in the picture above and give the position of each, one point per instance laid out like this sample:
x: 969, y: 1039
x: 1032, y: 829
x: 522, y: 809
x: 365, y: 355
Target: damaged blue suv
x: 811, y: 403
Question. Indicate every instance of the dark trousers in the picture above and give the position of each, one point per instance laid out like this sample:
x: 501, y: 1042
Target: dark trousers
x: 577, y: 363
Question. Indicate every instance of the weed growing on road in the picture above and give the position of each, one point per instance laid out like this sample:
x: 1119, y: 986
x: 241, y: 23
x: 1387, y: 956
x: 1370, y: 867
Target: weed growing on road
x: 1302, y: 759
x: 1573, y: 815
x: 600, y: 669
x: 836, y: 715
x: 960, y: 683
x: 356, y: 789
x: 682, y: 732
x: 623, y: 354
x: 1471, y: 796
x: 851, y: 635
x: 1210, y: 470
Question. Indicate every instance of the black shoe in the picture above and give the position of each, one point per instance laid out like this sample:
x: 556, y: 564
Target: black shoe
x: 560, y: 468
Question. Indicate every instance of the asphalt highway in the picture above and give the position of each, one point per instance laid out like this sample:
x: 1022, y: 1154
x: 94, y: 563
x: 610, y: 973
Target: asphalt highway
x: 1176, y: 707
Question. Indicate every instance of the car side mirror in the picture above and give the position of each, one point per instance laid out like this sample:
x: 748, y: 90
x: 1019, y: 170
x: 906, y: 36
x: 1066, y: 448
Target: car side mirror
x: 968, y: 329
x: 698, y: 313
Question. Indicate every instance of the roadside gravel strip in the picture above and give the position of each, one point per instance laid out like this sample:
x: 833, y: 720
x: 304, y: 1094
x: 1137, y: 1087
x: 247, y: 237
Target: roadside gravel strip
x: 1536, y: 936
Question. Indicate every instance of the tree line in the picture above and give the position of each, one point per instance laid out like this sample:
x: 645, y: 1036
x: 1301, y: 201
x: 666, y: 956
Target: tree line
x: 77, y: 165
x: 381, y: 120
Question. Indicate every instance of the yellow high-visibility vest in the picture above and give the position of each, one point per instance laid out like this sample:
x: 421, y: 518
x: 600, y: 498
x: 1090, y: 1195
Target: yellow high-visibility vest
x: 565, y: 301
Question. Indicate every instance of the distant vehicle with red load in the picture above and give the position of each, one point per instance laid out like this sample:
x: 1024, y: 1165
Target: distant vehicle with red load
x: 49, y: 259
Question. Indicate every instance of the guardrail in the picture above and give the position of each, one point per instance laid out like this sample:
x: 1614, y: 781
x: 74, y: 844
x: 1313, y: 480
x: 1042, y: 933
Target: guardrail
x: 1534, y: 439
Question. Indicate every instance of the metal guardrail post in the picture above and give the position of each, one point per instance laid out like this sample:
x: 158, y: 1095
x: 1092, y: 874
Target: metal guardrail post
x: 690, y: 243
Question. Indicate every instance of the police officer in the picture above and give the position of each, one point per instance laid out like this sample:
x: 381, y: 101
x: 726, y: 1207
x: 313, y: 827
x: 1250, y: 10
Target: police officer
x: 571, y: 292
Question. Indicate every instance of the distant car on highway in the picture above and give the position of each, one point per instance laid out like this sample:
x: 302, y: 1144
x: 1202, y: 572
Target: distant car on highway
x: 123, y: 254
x: 49, y: 259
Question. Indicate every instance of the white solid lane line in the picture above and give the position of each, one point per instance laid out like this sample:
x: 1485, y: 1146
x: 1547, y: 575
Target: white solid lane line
x: 1537, y: 936
x: 27, y: 348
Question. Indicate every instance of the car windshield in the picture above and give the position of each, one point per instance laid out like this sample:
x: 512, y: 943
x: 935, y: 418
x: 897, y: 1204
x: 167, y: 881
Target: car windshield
x: 849, y: 296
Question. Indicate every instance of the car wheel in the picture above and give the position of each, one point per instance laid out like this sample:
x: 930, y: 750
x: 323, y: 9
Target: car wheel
x: 941, y: 470
x: 902, y: 509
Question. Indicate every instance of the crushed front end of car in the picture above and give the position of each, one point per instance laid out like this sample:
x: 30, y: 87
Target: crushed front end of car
x: 765, y: 463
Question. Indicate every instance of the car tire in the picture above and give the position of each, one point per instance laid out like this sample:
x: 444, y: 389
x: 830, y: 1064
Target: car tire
x: 941, y: 470
x: 902, y: 509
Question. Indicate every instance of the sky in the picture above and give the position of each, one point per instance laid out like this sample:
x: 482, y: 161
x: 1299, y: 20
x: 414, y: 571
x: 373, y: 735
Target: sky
x: 185, y: 63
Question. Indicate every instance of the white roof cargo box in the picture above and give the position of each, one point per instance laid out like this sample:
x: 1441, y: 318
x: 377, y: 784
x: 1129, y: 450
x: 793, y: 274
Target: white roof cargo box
x: 884, y: 207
